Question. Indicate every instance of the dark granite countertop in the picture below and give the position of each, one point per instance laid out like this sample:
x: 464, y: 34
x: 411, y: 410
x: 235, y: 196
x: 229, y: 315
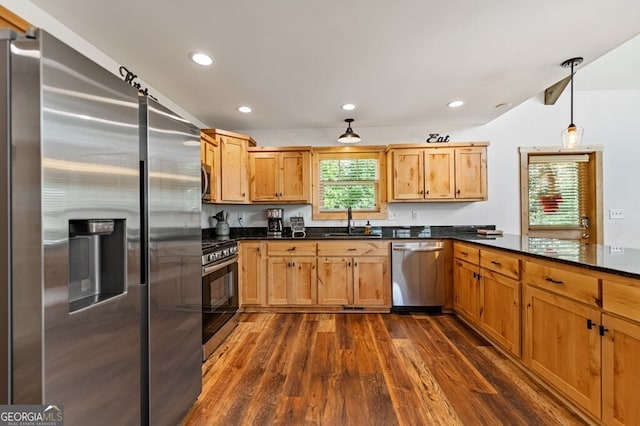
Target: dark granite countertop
x: 619, y: 261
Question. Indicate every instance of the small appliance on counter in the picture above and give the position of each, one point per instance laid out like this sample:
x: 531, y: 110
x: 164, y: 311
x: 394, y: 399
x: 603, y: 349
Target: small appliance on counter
x: 274, y: 223
x: 222, y: 224
x: 297, y: 227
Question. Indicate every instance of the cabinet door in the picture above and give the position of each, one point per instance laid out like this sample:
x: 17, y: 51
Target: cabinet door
x: 439, y: 172
x: 371, y: 283
x: 278, y: 281
x: 561, y: 348
x: 233, y: 165
x: 263, y: 172
x: 294, y: 176
x: 466, y: 289
x: 408, y: 174
x: 471, y: 173
x: 620, y: 372
x: 303, y: 281
x: 251, y: 279
x: 210, y: 159
x: 335, y: 281
x: 500, y: 309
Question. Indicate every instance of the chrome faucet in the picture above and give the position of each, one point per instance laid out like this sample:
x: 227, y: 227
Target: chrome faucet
x: 349, y: 218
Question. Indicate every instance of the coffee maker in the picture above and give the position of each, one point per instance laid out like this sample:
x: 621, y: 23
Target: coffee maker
x: 274, y: 223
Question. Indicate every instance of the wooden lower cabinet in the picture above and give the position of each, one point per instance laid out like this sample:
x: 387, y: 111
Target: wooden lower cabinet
x: 371, y: 285
x: 335, y: 281
x: 291, y: 281
x: 620, y: 371
x: 562, y: 345
x: 354, y: 281
x: 466, y: 282
x: 251, y: 279
x: 500, y: 309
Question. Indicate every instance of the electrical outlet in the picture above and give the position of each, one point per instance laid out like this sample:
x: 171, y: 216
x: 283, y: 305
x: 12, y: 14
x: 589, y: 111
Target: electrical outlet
x: 414, y: 215
x: 391, y: 215
x: 616, y: 213
x: 616, y: 250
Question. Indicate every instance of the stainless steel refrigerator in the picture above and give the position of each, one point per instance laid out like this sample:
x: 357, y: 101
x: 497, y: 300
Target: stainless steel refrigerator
x: 100, y: 241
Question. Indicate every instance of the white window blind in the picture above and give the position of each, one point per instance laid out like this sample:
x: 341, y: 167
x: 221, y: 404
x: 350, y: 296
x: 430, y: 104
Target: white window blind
x: 348, y: 180
x: 558, y: 190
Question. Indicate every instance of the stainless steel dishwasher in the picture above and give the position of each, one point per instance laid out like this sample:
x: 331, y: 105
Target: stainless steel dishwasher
x: 417, y: 270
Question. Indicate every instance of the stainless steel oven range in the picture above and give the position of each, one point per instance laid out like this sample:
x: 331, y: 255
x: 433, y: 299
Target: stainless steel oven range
x: 219, y: 293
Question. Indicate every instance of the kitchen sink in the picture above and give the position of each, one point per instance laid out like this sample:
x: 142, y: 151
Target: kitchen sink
x: 352, y: 235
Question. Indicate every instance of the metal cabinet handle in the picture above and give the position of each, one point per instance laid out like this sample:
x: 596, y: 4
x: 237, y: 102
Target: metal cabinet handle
x: 464, y: 253
x: 291, y: 249
x: 352, y: 249
x: 355, y: 264
x: 590, y: 324
x: 551, y: 280
x: 496, y: 263
x: 602, y: 329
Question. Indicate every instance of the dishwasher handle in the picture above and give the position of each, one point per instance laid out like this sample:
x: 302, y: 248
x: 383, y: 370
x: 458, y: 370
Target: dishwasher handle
x: 420, y: 249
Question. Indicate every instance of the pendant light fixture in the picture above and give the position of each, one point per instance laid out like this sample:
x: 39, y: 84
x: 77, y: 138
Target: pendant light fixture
x: 349, y: 136
x: 572, y: 135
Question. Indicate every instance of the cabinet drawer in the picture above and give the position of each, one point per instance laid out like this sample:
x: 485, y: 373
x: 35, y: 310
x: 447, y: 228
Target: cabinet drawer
x: 353, y: 248
x: 290, y: 248
x: 467, y: 253
x: 622, y: 296
x: 502, y: 263
x: 569, y: 282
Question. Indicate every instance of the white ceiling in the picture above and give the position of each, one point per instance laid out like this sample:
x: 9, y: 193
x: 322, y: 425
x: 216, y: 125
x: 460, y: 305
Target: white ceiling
x: 296, y: 61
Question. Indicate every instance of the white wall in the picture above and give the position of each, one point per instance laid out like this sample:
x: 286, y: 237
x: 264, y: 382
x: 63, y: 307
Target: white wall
x: 609, y: 119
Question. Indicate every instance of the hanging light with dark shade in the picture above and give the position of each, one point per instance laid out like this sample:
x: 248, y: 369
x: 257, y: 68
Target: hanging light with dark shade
x: 572, y: 135
x: 349, y: 136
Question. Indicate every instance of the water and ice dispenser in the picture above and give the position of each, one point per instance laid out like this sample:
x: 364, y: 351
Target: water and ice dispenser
x: 97, y: 261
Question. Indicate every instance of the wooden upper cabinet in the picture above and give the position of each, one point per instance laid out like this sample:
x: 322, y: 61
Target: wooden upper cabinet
x: 232, y: 166
x: 439, y: 166
x: 471, y: 173
x: 279, y: 175
x: 233, y: 176
x: 9, y: 19
x: 408, y: 174
x: 210, y: 159
x: 456, y: 172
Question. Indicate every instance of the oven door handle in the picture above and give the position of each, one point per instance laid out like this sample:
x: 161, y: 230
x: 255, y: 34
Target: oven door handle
x: 213, y: 268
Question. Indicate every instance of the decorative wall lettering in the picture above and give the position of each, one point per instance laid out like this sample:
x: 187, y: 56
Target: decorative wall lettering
x: 435, y: 137
x: 130, y: 78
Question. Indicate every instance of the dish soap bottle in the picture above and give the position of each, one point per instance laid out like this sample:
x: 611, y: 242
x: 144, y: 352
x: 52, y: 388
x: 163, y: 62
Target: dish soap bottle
x: 367, y: 228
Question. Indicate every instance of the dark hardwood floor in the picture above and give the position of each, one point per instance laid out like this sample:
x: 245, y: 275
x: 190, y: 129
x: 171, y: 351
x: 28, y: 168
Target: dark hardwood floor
x: 366, y: 369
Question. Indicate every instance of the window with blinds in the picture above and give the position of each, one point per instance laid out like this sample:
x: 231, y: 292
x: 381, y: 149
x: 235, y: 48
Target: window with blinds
x: 558, y: 190
x: 348, y: 180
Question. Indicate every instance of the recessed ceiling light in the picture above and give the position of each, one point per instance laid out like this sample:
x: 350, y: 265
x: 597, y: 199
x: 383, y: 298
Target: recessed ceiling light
x: 201, y: 58
x: 503, y: 105
x: 455, y: 104
x: 348, y: 107
x: 244, y: 109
